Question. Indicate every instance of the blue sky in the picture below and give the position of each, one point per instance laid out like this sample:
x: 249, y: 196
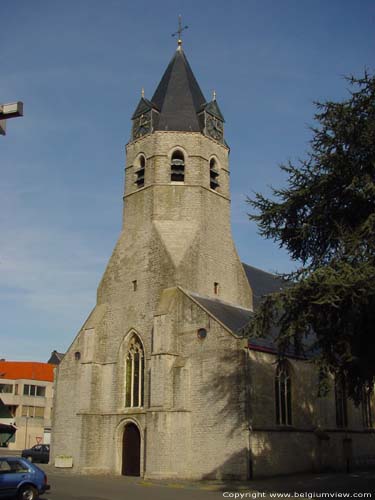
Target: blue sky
x: 79, y: 67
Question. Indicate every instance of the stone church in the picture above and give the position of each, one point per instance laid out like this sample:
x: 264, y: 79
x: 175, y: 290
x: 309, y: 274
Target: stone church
x: 160, y: 381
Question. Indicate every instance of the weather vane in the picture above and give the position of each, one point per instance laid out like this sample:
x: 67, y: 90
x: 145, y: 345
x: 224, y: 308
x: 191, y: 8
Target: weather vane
x: 179, y: 31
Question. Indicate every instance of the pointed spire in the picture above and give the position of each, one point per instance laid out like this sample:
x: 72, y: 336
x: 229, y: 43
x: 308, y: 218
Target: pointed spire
x: 178, y: 96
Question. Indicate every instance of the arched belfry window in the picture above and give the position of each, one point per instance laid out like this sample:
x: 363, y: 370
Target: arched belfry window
x: 134, y: 373
x: 140, y: 171
x: 178, y: 167
x: 283, y: 394
x: 214, y: 174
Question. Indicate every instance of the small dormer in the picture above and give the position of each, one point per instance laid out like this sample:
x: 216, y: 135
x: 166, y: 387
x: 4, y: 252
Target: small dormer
x: 212, y: 120
x: 144, y: 118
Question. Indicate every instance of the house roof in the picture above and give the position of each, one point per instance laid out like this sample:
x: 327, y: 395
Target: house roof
x: 178, y: 97
x: 31, y: 370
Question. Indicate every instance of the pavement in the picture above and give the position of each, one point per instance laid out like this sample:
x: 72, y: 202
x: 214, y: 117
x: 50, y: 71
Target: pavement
x: 67, y: 485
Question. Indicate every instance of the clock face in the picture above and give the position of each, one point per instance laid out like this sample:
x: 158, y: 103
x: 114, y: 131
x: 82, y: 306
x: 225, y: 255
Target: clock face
x: 214, y: 128
x: 141, y: 126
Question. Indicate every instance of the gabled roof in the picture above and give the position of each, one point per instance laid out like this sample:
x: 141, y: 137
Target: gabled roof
x: 31, y: 370
x: 178, y: 96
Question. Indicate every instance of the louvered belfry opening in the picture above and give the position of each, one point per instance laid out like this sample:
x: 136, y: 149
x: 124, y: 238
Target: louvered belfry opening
x: 214, y: 175
x: 140, y: 172
x: 178, y: 167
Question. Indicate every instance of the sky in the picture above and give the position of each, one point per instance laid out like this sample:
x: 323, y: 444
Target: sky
x: 79, y: 66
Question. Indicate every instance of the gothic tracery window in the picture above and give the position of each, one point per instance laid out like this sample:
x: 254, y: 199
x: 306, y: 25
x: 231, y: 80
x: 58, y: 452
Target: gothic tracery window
x: 283, y: 394
x: 134, y: 373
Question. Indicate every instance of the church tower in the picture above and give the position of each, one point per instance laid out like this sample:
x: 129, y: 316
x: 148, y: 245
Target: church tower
x: 128, y: 392
x: 176, y: 220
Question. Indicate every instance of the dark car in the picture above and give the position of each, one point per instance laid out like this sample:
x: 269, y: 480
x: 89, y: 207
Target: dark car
x: 21, y: 479
x: 38, y: 453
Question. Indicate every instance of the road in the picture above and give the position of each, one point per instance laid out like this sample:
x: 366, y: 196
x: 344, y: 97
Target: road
x: 68, y: 486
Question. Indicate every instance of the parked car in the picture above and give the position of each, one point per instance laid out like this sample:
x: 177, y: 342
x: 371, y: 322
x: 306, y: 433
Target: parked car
x: 38, y: 453
x: 21, y: 479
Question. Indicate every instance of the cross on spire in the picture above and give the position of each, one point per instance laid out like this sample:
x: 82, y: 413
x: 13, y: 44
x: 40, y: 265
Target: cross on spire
x: 179, y: 31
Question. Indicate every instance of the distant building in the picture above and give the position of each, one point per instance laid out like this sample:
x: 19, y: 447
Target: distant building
x: 26, y: 389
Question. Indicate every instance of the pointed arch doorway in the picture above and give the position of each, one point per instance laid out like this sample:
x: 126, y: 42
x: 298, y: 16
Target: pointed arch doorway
x: 131, y: 451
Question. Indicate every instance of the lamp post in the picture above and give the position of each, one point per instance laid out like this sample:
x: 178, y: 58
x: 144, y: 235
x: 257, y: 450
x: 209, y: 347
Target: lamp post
x: 11, y: 110
x: 27, y: 420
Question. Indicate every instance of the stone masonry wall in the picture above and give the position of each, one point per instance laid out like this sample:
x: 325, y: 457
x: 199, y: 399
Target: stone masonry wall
x: 313, y: 441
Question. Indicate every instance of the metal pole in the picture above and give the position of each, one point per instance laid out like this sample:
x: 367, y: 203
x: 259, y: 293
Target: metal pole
x: 27, y: 419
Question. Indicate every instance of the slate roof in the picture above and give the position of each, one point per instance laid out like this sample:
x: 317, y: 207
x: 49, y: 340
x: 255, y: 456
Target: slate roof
x: 144, y: 105
x: 233, y: 317
x: 178, y: 97
x: 237, y: 318
x: 56, y: 358
x: 262, y: 283
x: 213, y: 108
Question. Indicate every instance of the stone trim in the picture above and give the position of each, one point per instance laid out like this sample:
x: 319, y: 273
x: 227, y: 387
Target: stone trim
x: 184, y: 184
x: 181, y: 132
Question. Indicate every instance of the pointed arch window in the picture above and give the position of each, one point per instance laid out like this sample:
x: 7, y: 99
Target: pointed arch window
x: 178, y: 167
x: 140, y: 172
x: 283, y: 394
x: 134, y: 373
x: 341, y: 402
x: 214, y: 174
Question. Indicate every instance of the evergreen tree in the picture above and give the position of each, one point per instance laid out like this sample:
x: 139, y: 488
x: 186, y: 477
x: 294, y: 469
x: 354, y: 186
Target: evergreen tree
x: 325, y: 219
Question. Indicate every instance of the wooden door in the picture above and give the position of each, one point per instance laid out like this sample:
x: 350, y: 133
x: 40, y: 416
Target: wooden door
x: 131, y: 451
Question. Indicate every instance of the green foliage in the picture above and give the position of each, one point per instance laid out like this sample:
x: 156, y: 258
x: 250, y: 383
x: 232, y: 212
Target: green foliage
x: 325, y: 219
